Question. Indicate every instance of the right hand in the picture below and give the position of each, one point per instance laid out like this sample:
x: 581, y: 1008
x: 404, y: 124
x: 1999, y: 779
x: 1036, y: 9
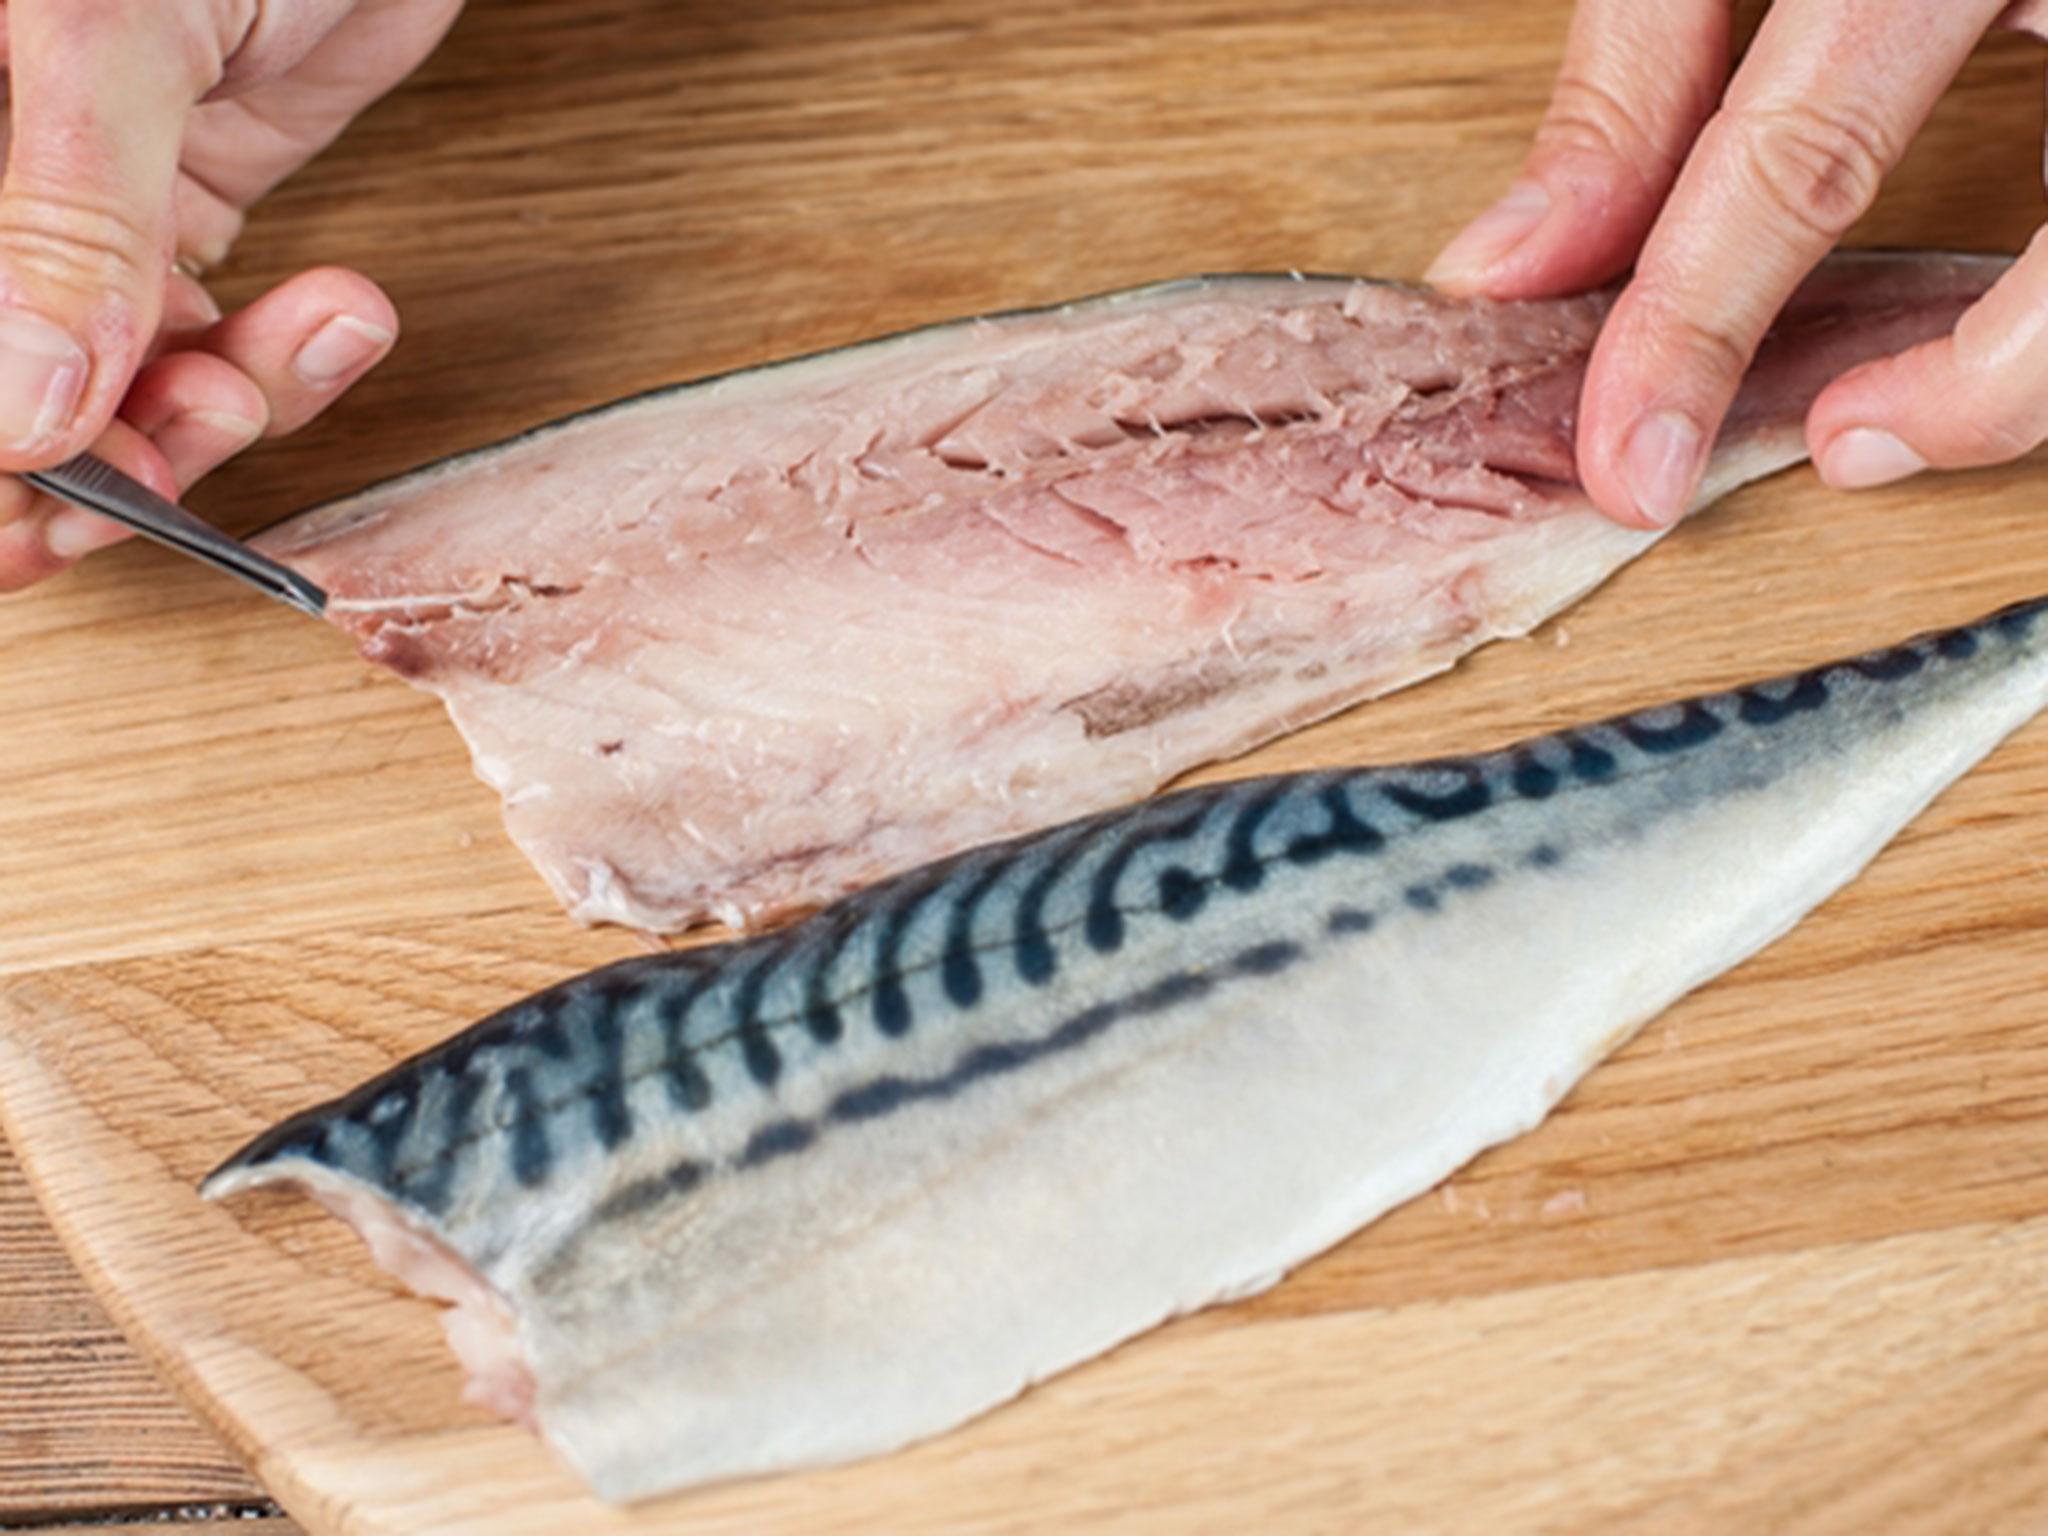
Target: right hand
x: 1722, y: 194
x: 140, y: 132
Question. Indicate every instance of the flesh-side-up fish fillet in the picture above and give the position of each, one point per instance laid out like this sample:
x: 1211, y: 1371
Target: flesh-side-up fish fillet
x: 751, y: 643
x: 809, y: 1196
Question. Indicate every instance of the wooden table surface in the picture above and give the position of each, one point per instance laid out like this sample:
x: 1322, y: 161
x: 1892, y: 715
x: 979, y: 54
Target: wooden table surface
x: 574, y: 201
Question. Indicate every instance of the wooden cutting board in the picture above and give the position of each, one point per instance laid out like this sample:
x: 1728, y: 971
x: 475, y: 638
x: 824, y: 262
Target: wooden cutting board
x: 1778, y: 1265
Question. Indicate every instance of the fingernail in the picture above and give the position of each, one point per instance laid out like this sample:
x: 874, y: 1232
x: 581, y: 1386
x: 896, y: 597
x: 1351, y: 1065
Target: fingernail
x: 42, y: 374
x: 1661, y: 464
x: 204, y: 304
x: 233, y: 431
x: 344, y: 345
x: 1865, y: 456
x: 1492, y: 235
x: 73, y: 532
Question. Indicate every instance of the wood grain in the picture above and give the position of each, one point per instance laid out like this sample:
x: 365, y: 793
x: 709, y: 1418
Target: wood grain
x: 85, y: 1426
x: 1777, y: 1265
x: 1769, y: 1380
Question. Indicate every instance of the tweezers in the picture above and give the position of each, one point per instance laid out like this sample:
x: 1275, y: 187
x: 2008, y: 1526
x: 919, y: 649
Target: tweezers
x: 97, y: 486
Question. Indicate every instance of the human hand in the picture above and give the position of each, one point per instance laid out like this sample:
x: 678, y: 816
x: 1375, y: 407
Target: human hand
x: 1724, y: 201
x: 140, y: 132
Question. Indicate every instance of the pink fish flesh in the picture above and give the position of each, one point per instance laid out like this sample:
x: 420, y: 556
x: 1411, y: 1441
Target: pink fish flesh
x: 747, y: 644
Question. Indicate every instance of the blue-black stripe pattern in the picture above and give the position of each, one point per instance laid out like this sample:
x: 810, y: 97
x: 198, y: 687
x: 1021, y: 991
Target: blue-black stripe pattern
x: 880, y: 988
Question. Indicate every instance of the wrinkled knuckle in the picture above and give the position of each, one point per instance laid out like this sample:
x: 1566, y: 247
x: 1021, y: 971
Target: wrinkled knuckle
x: 87, y: 244
x: 1712, y: 347
x: 1817, y: 166
x: 1586, y: 118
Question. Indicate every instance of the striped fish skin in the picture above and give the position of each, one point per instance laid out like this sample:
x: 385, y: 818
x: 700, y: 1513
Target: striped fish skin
x: 813, y: 1195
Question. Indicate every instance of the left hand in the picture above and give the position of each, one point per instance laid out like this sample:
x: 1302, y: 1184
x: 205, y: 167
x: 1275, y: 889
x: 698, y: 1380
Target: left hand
x: 211, y: 388
x: 138, y: 134
x: 1724, y: 194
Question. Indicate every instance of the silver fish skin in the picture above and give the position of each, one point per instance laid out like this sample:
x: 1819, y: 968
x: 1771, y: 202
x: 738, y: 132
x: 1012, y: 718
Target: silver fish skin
x: 811, y: 1196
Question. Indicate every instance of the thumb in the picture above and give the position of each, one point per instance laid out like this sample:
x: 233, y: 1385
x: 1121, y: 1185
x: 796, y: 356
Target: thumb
x: 99, y: 92
x: 1976, y: 396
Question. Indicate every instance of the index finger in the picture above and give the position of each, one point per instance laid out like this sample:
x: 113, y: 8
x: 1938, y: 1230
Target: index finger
x: 1822, y: 108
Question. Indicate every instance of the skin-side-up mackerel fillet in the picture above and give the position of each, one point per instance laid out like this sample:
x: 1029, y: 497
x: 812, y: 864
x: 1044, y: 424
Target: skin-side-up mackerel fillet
x: 810, y: 1196
x: 748, y: 644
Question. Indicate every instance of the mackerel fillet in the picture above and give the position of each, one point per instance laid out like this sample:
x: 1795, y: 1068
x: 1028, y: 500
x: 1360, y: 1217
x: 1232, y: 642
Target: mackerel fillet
x: 745, y: 645
x: 805, y: 1197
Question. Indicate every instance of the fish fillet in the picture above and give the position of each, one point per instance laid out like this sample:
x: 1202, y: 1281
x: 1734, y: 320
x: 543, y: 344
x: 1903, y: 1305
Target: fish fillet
x: 752, y: 643
x: 811, y: 1196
